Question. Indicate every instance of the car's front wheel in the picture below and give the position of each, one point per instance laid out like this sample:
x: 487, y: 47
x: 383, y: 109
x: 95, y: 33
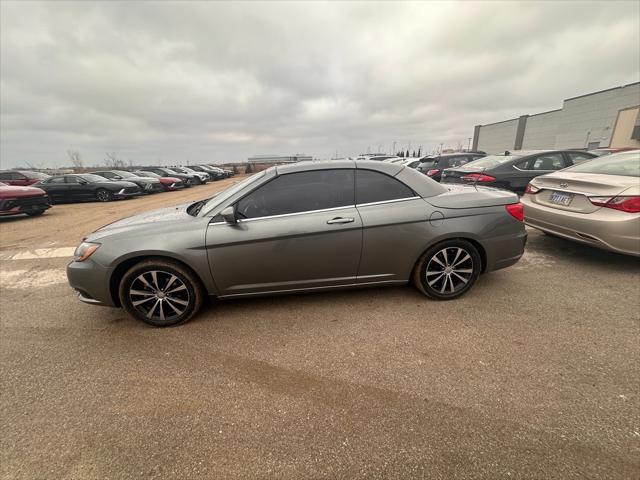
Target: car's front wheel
x: 103, y: 195
x: 448, y: 269
x: 161, y: 292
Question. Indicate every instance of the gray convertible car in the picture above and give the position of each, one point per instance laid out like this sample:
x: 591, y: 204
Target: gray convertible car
x: 302, y: 227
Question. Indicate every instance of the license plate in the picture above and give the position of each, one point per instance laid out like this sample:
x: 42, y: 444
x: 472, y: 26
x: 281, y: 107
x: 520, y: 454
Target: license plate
x: 559, y: 198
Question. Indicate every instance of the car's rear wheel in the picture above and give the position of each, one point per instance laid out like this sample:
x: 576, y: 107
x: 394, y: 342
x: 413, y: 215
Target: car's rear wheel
x: 448, y: 269
x: 161, y: 292
x: 103, y: 195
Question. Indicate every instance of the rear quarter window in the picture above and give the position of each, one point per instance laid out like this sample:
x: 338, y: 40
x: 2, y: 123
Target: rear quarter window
x: 372, y: 186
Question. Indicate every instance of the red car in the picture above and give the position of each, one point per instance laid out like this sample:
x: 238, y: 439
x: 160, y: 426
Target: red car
x: 21, y: 178
x: 169, y: 183
x: 16, y: 200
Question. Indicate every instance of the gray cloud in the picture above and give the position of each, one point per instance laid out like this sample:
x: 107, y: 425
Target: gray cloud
x: 196, y: 81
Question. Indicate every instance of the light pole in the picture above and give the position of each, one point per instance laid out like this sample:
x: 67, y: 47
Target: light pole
x: 469, y: 145
x: 394, y: 148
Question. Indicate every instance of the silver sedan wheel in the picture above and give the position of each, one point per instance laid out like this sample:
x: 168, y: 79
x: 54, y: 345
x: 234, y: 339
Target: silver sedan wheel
x: 159, y: 295
x: 449, y: 270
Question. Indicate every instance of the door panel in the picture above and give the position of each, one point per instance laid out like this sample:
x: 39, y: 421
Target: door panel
x: 393, y: 237
x: 288, y: 252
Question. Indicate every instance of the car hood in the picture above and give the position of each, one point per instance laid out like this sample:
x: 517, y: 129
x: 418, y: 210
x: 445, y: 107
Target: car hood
x: 120, y: 183
x: 20, y: 192
x: 142, y: 180
x: 157, y: 217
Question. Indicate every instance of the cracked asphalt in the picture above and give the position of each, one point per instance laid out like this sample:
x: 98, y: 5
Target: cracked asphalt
x: 534, y: 374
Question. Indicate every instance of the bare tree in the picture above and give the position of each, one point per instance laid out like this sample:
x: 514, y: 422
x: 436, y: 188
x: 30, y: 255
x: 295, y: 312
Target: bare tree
x: 76, y: 159
x: 112, y: 161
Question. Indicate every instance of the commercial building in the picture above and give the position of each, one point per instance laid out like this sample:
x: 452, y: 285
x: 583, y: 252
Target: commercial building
x: 273, y: 159
x: 608, y: 118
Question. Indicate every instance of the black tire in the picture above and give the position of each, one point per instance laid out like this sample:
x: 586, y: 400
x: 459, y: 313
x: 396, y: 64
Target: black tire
x: 442, y: 281
x: 103, y: 195
x: 172, y: 307
x: 35, y: 213
x: 197, y: 181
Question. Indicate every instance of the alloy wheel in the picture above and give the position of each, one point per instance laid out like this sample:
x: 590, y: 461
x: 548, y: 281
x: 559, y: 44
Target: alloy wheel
x: 159, y: 295
x: 449, y: 270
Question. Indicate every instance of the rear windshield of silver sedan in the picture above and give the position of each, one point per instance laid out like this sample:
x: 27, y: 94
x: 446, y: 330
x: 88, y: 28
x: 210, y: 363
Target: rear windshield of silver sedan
x: 491, y: 161
x: 625, y: 164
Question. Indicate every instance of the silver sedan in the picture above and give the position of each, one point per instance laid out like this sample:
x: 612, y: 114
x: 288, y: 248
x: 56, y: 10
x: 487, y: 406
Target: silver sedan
x: 303, y: 227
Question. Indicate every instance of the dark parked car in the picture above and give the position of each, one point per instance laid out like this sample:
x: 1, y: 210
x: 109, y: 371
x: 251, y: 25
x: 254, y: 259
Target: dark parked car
x: 87, y: 187
x: 301, y: 227
x: 16, y: 200
x: 168, y: 183
x: 434, y: 165
x: 204, y: 177
x: 213, y: 174
x: 514, y: 170
x: 146, y: 184
x: 21, y: 178
x: 225, y: 172
x: 187, y: 179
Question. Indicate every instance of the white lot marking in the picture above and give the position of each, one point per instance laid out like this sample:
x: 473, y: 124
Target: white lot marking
x: 39, y: 253
x: 22, y: 279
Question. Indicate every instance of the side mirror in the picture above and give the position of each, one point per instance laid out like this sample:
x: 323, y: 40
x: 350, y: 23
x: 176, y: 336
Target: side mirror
x: 229, y: 215
x: 83, y: 182
x: 117, y: 177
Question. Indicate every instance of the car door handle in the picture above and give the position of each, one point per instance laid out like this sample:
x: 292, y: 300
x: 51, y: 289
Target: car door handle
x: 340, y: 220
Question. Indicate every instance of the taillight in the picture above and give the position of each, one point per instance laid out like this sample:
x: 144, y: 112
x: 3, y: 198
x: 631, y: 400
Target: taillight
x: 624, y: 204
x: 531, y: 189
x: 432, y: 172
x: 516, y: 210
x: 478, y: 177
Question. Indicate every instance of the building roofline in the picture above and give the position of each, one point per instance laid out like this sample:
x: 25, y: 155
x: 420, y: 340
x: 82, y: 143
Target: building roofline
x: 496, y: 123
x: 602, y: 91
x: 544, y: 113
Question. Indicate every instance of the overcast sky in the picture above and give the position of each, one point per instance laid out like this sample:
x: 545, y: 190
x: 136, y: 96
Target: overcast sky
x: 163, y: 82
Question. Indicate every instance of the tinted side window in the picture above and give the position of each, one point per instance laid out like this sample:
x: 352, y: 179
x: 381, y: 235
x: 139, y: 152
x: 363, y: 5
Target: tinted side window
x: 71, y: 179
x: 107, y: 175
x: 377, y: 187
x: 299, y: 192
x: 5, y: 176
x: 56, y: 180
x: 576, y: 157
x: 548, y: 161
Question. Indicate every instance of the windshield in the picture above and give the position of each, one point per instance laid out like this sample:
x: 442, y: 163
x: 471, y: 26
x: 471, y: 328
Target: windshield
x: 123, y: 174
x: 427, y: 164
x: 491, y: 161
x: 30, y: 174
x: 92, y: 178
x: 228, y: 192
x: 626, y: 164
x: 148, y: 174
x: 187, y: 169
x: 169, y: 171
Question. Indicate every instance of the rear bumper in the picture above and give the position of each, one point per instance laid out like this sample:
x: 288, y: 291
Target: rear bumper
x: 504, y: 251
x: 605, y: 228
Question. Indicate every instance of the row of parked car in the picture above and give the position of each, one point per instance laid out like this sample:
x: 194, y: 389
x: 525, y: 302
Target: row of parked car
x: 32, y: 193
x: 574, y: 194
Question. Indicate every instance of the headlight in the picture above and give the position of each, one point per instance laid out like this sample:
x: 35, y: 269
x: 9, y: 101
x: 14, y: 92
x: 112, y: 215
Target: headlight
x: 85, y: 250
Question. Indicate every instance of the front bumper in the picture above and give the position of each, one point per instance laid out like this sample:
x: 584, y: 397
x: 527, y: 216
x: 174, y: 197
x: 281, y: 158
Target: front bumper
x: 91, y: 282
x: 607, y: 229
x: 16, y: 206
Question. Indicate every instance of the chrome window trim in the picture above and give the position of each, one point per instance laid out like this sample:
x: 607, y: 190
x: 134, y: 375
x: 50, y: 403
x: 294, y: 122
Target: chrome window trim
x: 382, y: 202
x: 247, y: 220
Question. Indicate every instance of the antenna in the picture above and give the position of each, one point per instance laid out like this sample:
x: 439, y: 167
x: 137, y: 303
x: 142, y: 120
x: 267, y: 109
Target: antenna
x: 475, y: 183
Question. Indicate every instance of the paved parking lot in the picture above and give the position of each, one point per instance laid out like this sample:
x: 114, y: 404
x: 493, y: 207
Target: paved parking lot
x: 534, y: 374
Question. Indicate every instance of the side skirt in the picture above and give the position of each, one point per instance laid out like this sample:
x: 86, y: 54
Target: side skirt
x: 315, y: 289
